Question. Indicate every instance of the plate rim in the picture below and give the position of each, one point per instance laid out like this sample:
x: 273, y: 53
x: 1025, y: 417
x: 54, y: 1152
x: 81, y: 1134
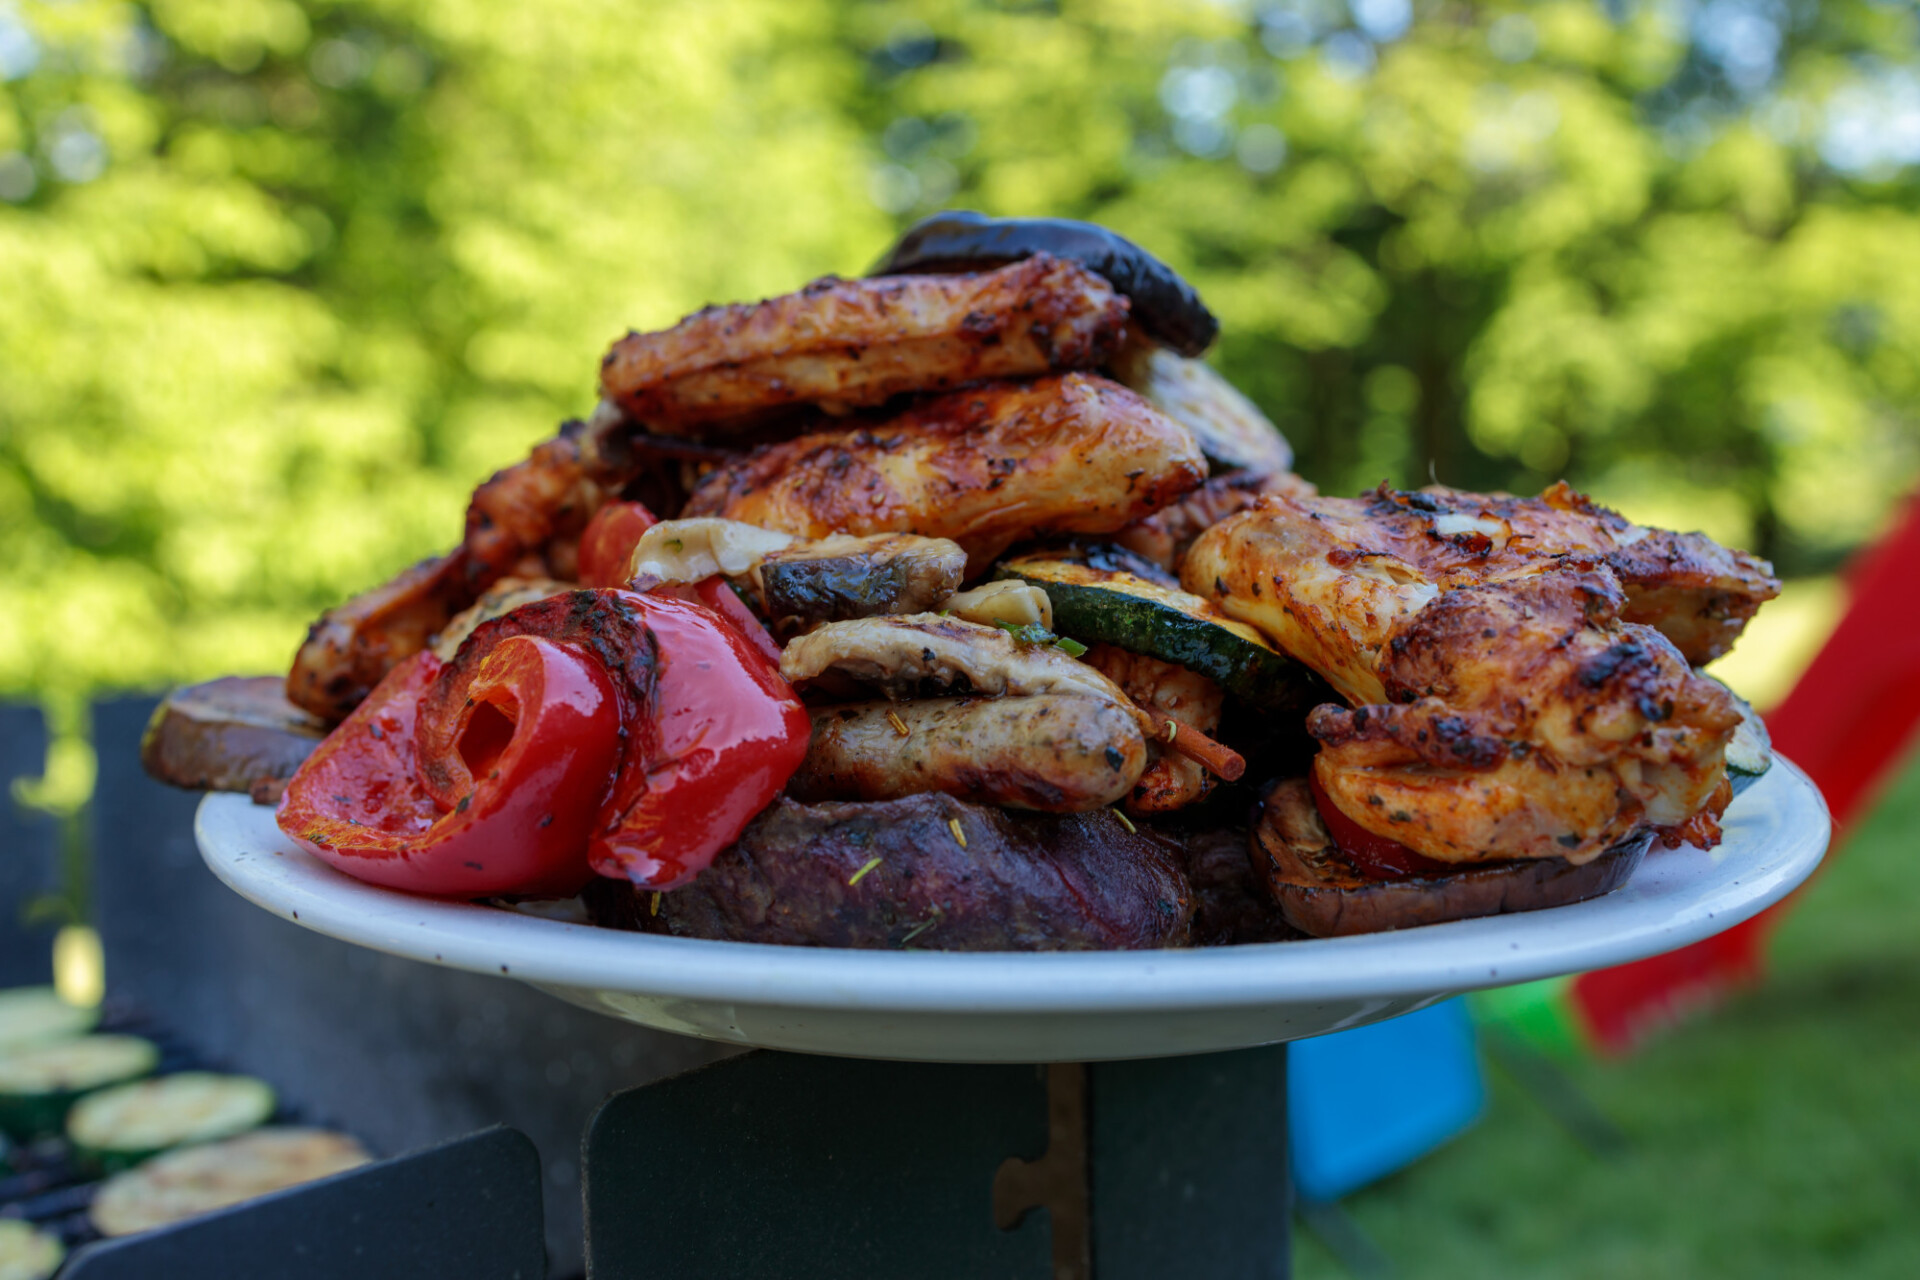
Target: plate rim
x: 1458, y: 956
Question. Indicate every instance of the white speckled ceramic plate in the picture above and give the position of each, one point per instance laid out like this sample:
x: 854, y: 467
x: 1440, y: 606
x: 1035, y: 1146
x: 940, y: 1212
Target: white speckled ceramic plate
x: 1019, y: 1007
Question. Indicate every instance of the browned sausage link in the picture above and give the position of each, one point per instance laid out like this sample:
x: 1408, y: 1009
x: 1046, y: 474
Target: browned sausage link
x: 1056, y: 754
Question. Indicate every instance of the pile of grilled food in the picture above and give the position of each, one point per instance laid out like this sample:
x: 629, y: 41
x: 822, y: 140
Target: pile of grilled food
x: 963, y: 607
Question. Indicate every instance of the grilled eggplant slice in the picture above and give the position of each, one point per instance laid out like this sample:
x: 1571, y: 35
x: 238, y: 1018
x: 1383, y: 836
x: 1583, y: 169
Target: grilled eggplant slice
x: 1322, y: 893
x: 1164, y: 304
x: 237, y: 733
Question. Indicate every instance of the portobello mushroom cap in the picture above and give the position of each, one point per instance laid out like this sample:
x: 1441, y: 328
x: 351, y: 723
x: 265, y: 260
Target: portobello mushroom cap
x: 959, y: 240
x: 237, y: 733
x: 1322, y: 893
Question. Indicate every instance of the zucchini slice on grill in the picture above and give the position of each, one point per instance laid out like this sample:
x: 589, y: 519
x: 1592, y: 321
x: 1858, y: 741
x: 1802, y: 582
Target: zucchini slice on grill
x: 1750, y: 754
x: 184, y: 1184
x: 118, y: 1128
x: 40, y: 1083
x: 27, y: 1253
x: 32, y: 1015
x: 1108, y: 595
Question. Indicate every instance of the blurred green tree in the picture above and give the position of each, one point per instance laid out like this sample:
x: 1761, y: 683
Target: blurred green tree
x: 282, y: 281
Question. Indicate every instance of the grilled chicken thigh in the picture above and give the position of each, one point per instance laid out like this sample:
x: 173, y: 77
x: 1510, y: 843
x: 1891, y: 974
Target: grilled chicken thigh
x: 846, y: 344
x: 984, y: 467
x: 1524, y: 719
x: 532, y: 511
x: 1509, y: 699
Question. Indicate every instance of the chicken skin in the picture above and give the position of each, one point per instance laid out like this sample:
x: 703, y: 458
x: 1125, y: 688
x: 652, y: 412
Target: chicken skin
x: 1074, y: 453
x: 848, y: 344
x: 1356, y: 567
x: 1515, y: 691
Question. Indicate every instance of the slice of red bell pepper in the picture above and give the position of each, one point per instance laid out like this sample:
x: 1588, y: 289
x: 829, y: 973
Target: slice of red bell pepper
x: 723, y: 734
x: 1374, y: 856
x: 712, y: 731
x: 719, y: 596
x: 607, y: 543
x: 526, y: 760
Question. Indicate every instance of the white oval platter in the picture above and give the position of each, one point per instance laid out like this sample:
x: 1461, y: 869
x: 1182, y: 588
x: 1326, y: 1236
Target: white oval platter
x: 1038, y: 1007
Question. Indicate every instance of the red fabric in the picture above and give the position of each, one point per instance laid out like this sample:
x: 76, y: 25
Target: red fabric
x: 1848, y: 722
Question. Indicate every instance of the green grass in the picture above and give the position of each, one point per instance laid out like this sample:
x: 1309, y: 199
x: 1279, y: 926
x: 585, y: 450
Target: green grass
x: 1777, y: 1136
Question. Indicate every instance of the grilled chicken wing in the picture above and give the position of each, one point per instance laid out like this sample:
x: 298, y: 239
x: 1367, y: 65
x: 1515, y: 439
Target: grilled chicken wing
x: 845, y: 344
x: 1047, y: 752
x: 1068, y: 454
x: 1507, y: 702
x: 533, y: 507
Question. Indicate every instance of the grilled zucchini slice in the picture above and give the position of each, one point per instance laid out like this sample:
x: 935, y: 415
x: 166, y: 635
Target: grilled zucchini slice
x: 32, y: 1015
x: 1109, y: 595
x: 184, y: 1184
x: 1750, y: 754
x: 40, y: 1083
x: 27, y: 1253
x: 119, y: 1127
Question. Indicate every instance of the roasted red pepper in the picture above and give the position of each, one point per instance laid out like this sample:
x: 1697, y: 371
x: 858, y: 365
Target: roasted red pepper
x: 718, y: 596
x: 722, y: 735
x: 1374, y: 856
x: 638, y: 733
x: 524, y: 764
x: 607, y: 543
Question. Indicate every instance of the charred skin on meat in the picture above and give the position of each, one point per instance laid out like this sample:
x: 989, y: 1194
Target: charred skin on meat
x: 1524, y: 719
x: 1332, y: 578
x: 1074, y: 453
x: 533, y: 509
x: 1511, y: 698
x: 848, y: 344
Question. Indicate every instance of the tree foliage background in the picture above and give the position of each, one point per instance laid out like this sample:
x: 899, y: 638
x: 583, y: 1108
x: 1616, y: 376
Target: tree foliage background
x: 280, y: 282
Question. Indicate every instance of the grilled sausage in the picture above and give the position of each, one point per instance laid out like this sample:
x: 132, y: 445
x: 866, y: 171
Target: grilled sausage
x: 1055, y: 754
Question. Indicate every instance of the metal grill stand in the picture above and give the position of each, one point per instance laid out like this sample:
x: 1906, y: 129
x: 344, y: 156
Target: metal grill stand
x: 780, y: 1164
